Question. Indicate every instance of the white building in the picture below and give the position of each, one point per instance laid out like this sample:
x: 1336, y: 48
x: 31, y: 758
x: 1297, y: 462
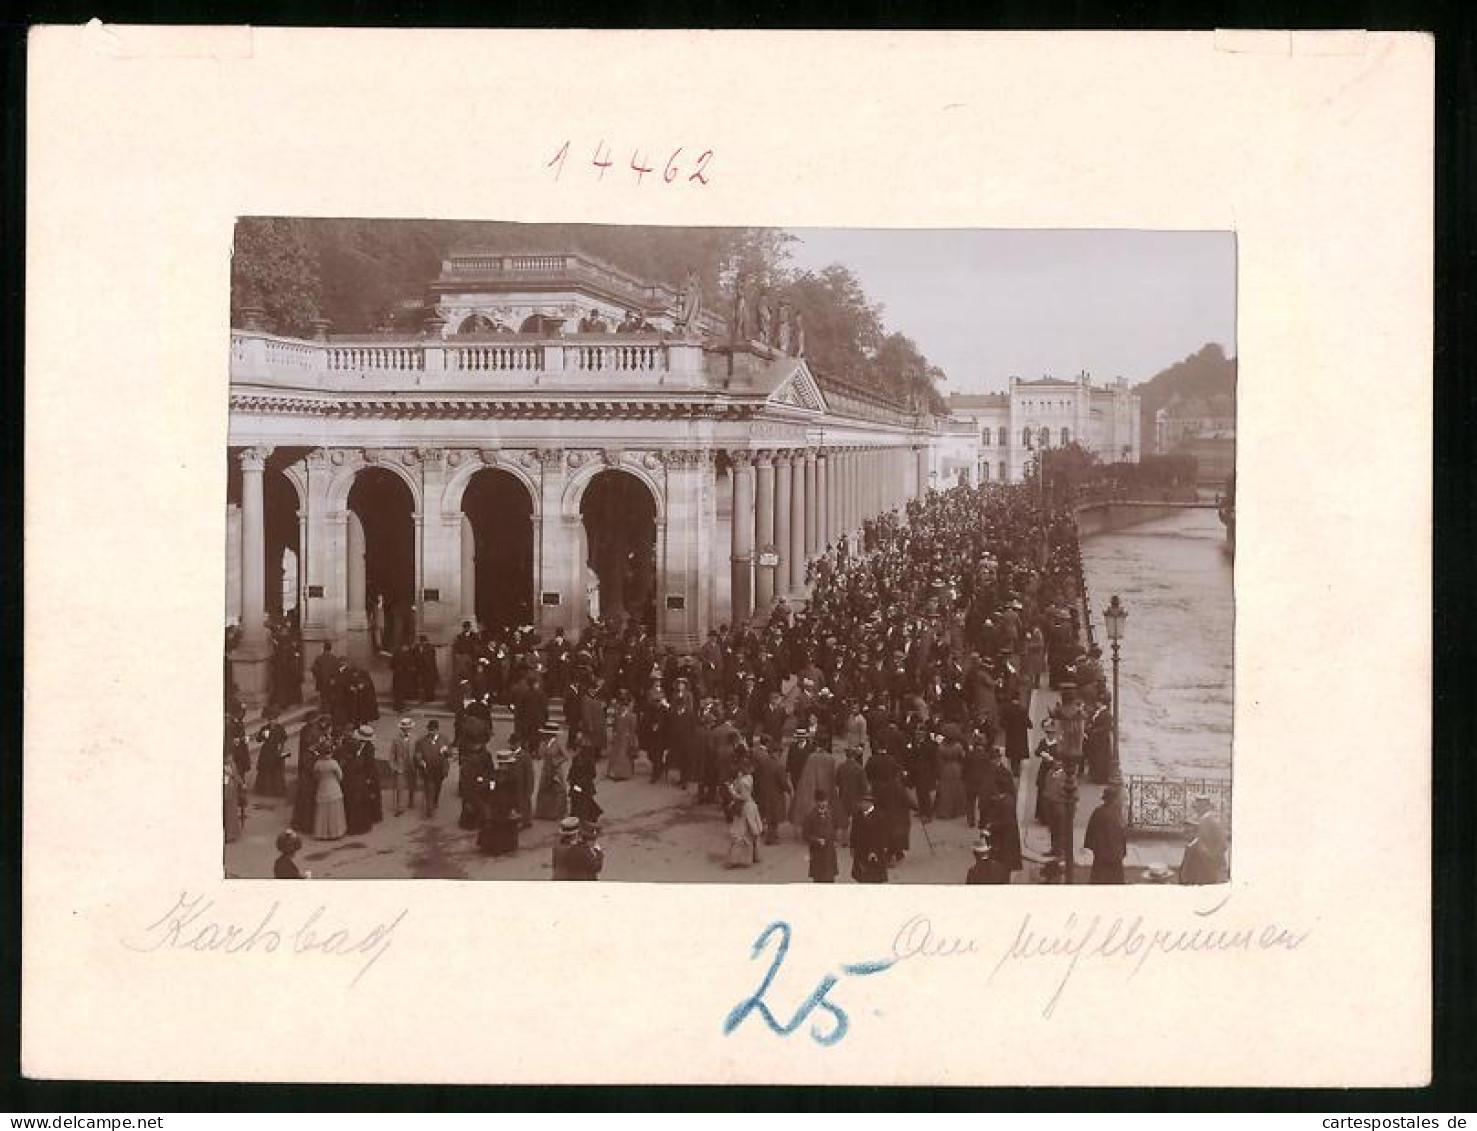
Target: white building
x: 1051, y: 413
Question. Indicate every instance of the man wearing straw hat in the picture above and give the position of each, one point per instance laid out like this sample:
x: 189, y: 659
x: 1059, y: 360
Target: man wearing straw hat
x: 402, y: 767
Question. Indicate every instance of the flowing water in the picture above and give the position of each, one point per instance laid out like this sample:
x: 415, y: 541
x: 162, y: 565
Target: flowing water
x: 1174, y: 577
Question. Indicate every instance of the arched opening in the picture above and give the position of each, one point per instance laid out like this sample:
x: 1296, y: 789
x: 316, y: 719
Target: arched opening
x: 381, y: 504
x: 620, y: 534
x: 478, y: 323
x: 284, y: 553
x: 500, y: 525
x: 542, y: 325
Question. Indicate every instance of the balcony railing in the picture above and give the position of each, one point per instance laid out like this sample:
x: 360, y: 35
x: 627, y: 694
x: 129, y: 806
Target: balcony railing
x: 1162, y: 804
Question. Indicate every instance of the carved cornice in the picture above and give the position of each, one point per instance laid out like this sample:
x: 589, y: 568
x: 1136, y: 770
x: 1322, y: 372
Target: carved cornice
x: 491, y: 408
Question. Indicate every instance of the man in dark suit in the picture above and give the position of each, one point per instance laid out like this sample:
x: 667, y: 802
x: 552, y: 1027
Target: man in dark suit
x: 1106, y: 838
x: 869, y: 844
x: 428, y: 675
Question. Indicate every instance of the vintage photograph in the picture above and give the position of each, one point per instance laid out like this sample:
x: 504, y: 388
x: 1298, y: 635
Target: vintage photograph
x: 754, y: 555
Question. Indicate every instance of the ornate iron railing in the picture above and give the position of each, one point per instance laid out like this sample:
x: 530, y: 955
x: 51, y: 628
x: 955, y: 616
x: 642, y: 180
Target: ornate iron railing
x: 1164, y: 804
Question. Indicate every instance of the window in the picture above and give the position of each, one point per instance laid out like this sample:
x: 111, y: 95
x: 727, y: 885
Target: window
x: 1002, y: 471
x: 985, y: 472
x: 1066, y: 436
x: 1000, y: 437
x: 1045, y: 436
x: 985, y: 436
x: 1025, y: 437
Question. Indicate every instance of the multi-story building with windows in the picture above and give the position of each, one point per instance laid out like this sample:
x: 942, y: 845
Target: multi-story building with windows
x: 1050, y: 413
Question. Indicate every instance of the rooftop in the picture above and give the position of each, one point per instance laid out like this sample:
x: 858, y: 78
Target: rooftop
x: 978, y: 400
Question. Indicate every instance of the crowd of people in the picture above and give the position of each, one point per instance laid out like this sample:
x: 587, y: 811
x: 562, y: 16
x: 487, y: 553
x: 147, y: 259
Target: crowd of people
x: 899, y: 694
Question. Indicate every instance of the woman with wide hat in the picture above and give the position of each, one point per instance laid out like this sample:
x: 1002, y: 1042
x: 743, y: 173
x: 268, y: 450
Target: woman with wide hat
x: 503, y: 810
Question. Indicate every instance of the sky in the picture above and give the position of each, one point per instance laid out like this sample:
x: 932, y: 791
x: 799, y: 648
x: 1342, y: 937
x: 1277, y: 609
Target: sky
x: 984, y: 305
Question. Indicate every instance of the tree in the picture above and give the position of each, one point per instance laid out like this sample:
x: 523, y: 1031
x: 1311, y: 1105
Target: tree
x: 363, y: 275
x: 1070, y: 467
x: 274, y: 268
x: 842, y: 328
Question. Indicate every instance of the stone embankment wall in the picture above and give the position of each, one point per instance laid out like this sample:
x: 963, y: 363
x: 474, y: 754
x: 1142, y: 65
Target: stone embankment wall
x: 1099, y: 518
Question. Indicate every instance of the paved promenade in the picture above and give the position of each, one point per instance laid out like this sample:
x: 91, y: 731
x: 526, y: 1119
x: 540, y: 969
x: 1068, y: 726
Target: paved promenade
x: 654, y: 833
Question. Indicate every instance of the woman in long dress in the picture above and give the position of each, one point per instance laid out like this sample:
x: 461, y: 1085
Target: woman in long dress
x: 582, y: 803
x: 271, y: 780
x: 623, y: 740
x: 949, y: 801
x: 745, y: 827
x: 855, y: 733
x: 593, y: 731
x: 552, y: 803
x: 328, y: 815
x: 503, y: 808
x: 232, y: 787
x: 355, y: 789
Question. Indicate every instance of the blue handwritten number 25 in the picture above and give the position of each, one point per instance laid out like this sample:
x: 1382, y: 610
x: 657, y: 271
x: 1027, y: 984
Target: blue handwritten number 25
x: 816, y: 999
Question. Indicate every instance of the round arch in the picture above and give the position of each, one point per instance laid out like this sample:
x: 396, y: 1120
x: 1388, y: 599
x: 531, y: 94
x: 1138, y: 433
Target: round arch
x: 579, y: 483
x: 343, y: 480
x: 457, y: 482
x: 620, y: 541
x: 497, y: 548
x: 383, y: 572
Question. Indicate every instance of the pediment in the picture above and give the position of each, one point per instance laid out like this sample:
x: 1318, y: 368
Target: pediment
x: 798, y: 389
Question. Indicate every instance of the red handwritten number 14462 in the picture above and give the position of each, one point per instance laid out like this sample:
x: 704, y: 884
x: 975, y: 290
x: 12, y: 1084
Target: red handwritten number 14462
x: 676, y: 168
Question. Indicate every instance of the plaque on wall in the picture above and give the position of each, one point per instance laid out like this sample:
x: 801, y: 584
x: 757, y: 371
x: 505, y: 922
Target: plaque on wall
x: 551, y: 598
x: 432, y: 595
x: 315, y: 590
x: 769, y: 556
x: 676, y: 602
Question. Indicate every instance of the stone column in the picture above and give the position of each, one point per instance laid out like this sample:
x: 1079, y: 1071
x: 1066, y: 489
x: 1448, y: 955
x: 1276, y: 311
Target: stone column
x: 469, y: 570
x: 686, y: 537
x: 250, y: 659
x: 764, y: 534
x: 786, y: 471
x: 853, y: 490
x: 357, y: 645
x: 845, y: 493
x: 800, y: 530
x: 315, y: 556
x: 560, y: 546
x: 811, y: 500
x: 742, y: 558
x: 438, y: 564
x: 822, y: 501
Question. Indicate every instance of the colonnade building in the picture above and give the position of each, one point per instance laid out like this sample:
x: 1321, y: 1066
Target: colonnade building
x: 519, y: 462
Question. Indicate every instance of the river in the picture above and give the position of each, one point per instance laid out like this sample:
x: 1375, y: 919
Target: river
x: 1174, y: 577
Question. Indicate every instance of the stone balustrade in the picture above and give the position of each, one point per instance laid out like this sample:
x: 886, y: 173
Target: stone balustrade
x: 343, y: 363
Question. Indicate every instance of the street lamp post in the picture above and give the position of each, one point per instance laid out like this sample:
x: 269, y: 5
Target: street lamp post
x: 1114, y: 616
